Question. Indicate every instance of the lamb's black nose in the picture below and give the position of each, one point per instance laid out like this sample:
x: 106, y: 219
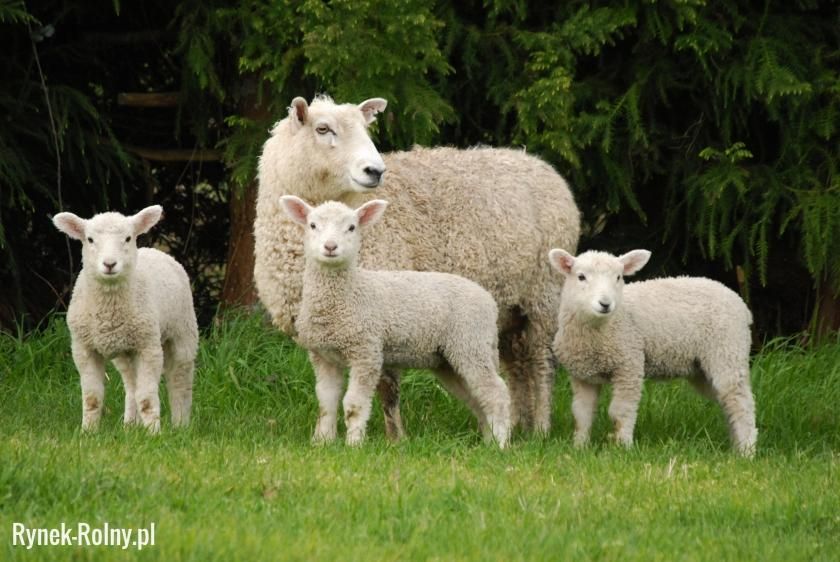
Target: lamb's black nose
x: 604, y: 306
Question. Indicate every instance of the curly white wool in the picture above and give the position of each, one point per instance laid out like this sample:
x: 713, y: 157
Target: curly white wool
x: 134, y: 307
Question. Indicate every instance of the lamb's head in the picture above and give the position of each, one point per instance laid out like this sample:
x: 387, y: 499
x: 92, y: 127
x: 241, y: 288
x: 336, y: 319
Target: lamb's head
x: 109, y: 241
x: 332, y: 230
x: 333, y: 148
x: 595, y: 280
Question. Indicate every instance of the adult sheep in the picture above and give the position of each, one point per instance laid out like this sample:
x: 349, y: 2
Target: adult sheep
x: 503, y: 210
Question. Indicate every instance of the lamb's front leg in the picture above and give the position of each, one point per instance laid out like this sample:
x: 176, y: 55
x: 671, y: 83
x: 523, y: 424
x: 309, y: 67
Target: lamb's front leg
x: 364, y: 376
x: 627, y: 392
x: 91, y: 367
x: 329, y: 383
x: 584, y: 404
x: 149, y: 367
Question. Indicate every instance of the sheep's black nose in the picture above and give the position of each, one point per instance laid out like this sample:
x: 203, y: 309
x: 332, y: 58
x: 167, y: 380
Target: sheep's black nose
x: 109, y: 265
x: 374, y: 173
x: 604, y: 306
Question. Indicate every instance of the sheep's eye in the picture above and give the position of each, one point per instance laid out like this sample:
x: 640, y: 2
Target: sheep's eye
x: 128, y: 238
x: 90, y: 239
x: 618, y: 278
x: 581, y: 277
x: 322, y: 129
x: 312, y: 225
x: 352, y: 228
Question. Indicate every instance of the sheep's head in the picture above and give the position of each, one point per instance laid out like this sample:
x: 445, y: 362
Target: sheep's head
x: 332, y: 230
x: 334, y: 147
x: 595, y: 280
x: 109, y: 240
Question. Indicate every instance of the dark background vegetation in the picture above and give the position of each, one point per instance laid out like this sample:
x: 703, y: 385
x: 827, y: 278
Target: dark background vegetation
x: 704, y: 131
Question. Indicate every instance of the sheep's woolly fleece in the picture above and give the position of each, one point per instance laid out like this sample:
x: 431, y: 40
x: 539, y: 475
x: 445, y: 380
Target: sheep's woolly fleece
x: 488, y: 214
x: 143, y: 319
x: 366, y: 319
x: 688, y: 327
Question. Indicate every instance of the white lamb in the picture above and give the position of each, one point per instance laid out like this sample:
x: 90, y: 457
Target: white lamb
x: 368, y: 320
x: 487, y: 214
x: 687, y: 327
x: 134, y: 307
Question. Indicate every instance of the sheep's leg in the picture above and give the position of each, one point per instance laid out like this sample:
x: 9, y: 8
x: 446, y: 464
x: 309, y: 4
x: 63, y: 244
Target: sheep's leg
x: 481, y: 380
x: 149, y: 365
x: 584, y: 404
x: 364, y: 377
x: 125, y: 366
x: 454, y: 385
x: 521, y: 383
x: 329, y: 384
x: 389, y: 394
x: 179, y: 370
x: 91, y: 367
x: 736, y: 399
x: 627, y: 392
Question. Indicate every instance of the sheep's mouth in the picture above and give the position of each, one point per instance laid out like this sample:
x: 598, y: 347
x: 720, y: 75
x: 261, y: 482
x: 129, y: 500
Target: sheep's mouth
x: 368, y: 185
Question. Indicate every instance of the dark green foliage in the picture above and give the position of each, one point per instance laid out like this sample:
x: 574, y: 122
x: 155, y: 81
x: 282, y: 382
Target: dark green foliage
x: 707, y: 131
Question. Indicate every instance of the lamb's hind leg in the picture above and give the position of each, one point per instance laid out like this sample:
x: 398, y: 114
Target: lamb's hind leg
x: 481, y: 380
x: 734, y: 393
x: 389, y: 394
x: 179, y: 370
x: 452, y: 382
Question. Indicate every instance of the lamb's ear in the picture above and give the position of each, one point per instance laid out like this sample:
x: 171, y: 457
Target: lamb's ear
x: 634, y: 261
x: 146, y: 219
x: 371, y: 107
x: 297, y: 209
x: 371, y: 212
x: 561, y: 260
x: 298, y: 113
x: 71, y: 225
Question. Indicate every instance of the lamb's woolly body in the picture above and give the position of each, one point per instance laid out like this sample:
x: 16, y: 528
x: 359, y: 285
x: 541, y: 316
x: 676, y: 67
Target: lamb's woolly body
x: 499, y: 212
x: 687, y: 327
x: 369, y: 320
x: 145, y: 323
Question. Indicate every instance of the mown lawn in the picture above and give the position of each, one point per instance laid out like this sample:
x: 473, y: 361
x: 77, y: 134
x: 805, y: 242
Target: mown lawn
x: 243, y: 483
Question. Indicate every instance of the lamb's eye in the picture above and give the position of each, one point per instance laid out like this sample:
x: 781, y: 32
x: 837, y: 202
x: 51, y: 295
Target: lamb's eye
x: 312, y: 225
x: 90, y: 239
x: 322, y: 129
x: 128, y: 238
x: 581, y: 277
x: 352, y: 228
x: 618, y: 278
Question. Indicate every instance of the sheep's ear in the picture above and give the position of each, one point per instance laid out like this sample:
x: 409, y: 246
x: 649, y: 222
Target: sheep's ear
x: 298, y: 113
x: 634, y: 260
x: 297, y: 209
x: 71, y: 225
x: 562, y: 261
x: 371, y: 212
x: 146, y: 219
x: 371, y: 107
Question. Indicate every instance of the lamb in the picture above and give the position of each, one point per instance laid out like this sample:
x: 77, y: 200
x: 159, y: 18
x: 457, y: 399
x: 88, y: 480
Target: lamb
x: 133, y: 307
x: 688, y: 327
x: 368, y: 320
x: 504, y: 209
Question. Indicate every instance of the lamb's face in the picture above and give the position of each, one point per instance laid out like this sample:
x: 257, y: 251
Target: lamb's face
x: 332, y: 230
x: 337, y: 145
x: 109, y: 241
x: 595, y: 280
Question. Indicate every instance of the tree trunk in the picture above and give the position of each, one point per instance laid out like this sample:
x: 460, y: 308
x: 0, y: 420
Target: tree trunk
x: 238, y: 288
x: 827, y: 311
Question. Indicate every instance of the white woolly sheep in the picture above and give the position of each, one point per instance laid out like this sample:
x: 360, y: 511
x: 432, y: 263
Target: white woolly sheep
x: 487, y: 214
x: 688, y: 327
x: 367, y: 320
x: 134, y: 307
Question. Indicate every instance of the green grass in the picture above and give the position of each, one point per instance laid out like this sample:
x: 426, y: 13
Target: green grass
x: 243, y: 482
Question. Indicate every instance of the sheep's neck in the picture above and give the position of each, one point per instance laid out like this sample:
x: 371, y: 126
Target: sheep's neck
x: 321, y: 280
x: 111, y: 300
